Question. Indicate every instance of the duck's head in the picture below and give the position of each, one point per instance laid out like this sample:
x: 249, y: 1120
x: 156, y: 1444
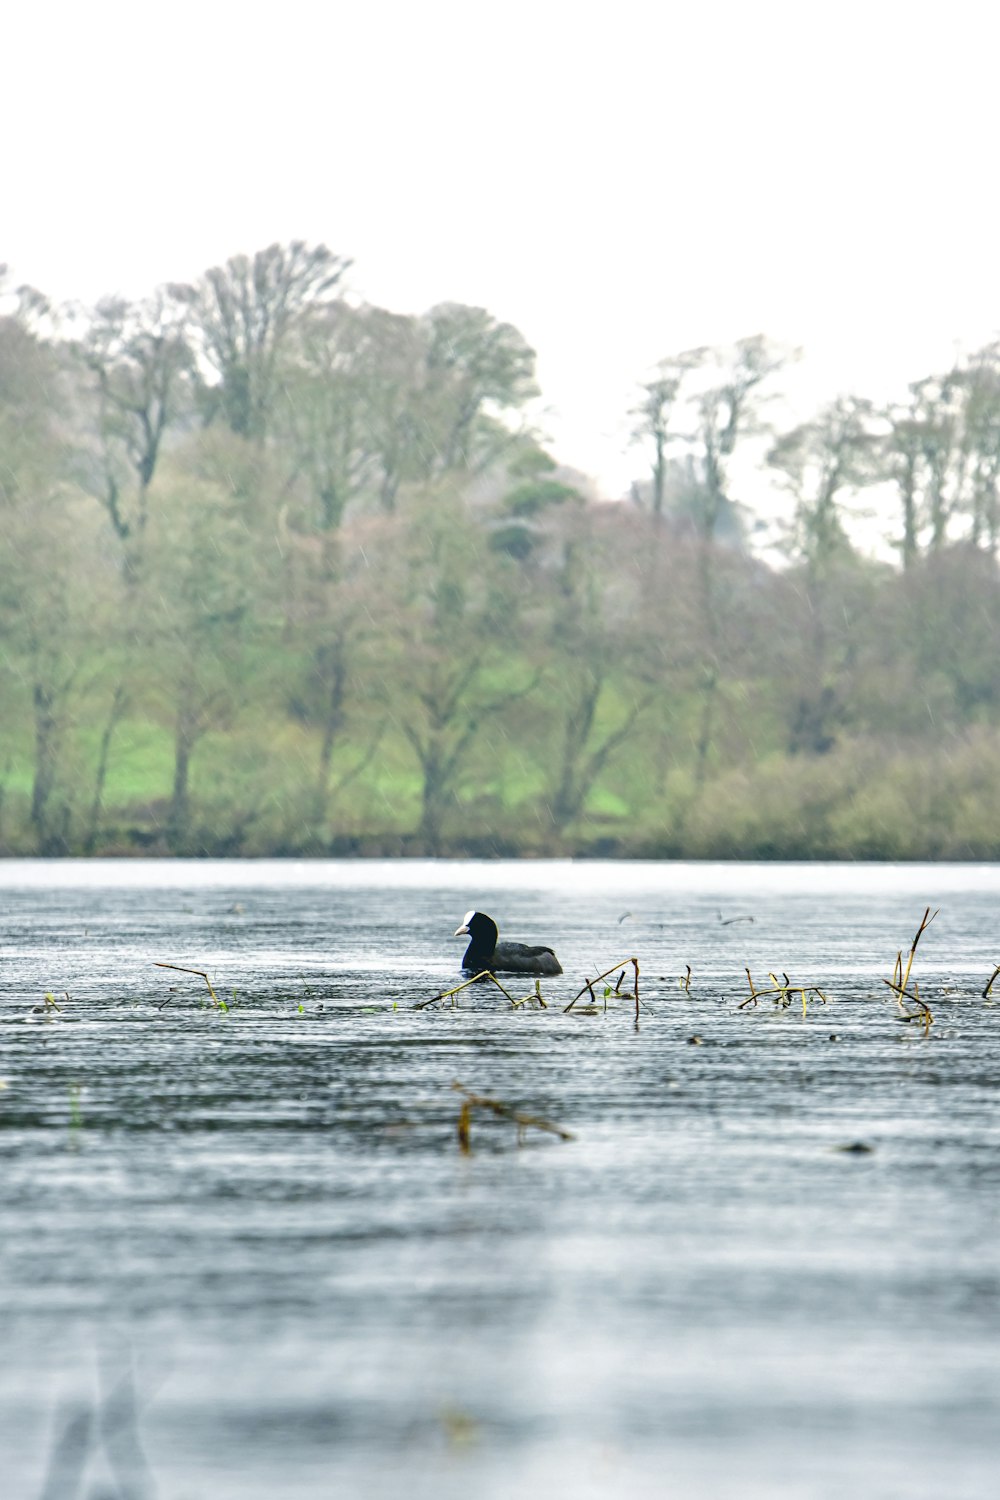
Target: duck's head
x: 478, y: 926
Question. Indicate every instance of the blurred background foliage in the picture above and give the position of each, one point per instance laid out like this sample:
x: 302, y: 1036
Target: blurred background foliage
x: 284, y: 573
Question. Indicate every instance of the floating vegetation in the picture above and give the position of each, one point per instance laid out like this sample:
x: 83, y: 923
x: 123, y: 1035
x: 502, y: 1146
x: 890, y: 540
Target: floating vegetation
x: 533, y: 999
x: 621, y: 981
x: 989, y: 983
x: 587, y: 988
x: 594, y: 994
x: 909, y: 1001
x: 523, y: 1121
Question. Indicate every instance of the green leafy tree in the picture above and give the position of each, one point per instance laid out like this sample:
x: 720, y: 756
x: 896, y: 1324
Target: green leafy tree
x: 447, y: 661
x: 390, y: 375
x: 50, y: 566
x: 476, y: 367
x: 322, y: 421
x: 198, y: 586
x: 329, y: 425
x: 598, y: 679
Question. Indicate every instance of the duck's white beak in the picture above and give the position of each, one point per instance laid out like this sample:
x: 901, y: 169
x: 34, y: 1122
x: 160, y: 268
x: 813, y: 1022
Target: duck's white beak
x: 461, y: 931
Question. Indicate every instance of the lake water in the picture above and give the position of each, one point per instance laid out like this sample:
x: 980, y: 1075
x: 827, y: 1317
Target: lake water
x: 243, y: 1256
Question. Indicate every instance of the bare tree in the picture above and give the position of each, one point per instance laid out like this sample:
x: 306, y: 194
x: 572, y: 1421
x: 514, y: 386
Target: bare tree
x: 725, y: 399
x: 243, y: 313
x: 977, y: 383
x: 820, y: 461
x: 141, y: 362
x: 652, y: 424
x: 597, y: 693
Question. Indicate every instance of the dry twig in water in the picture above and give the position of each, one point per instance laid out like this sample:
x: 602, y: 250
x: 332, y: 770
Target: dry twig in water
x: 783, y: 989
x: 483, y: 974
x: 182, y: 970
x: 900, y: 981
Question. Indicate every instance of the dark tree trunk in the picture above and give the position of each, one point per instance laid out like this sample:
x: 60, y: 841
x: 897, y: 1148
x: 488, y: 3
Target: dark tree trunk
x: 46, y: 755
x: 572, y: 784
x: 332, y: 670
x: 433, y: 798
x: 186, y: 734
x: 97, y: 805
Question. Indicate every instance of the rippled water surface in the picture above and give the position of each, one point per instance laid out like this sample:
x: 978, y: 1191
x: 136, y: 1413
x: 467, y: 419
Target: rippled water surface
x: 243, y: 1256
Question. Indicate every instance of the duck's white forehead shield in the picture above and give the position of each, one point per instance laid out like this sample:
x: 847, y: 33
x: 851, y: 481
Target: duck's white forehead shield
x: 464, y: 929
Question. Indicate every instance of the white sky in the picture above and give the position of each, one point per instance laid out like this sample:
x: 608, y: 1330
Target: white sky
x: 620, y: 180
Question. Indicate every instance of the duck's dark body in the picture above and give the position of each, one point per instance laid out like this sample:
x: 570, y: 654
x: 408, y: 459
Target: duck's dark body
x: 485, y: 952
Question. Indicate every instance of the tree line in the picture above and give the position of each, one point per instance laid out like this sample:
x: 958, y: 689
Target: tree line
x: 285, y: 572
